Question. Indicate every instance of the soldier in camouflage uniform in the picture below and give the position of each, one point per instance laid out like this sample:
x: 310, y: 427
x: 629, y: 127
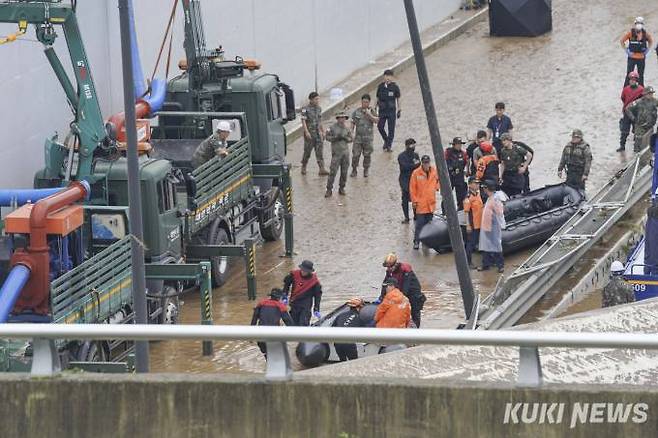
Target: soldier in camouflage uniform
x: 617, y: 291
x: 643, y: 113
x: 216, y: 144
x: 363, y: 119
x: 577, y: 158
x: 514, y: 162
x: 313, y: 132
x: 340, y: 135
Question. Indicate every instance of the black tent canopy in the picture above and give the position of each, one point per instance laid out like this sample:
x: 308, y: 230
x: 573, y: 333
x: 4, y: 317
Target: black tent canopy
x: 520, y: 17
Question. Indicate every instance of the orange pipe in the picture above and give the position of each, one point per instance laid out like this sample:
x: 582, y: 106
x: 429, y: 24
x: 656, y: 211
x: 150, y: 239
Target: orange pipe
x: 142, y: 109
x: 73, y: 193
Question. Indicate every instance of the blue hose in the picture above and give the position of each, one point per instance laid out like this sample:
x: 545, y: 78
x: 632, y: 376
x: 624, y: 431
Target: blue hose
x: 138, y: 74
x: 157, y: 97
x: 9, y: 197
x: 12, y: 289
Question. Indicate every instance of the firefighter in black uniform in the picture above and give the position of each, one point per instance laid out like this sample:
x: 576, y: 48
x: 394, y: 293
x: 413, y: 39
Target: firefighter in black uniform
x: 457, y: 162
x: 408, y: 161
x: 351, y: 318
x: 407, y: 282
x: 305, y: 292
x: 271, y: 311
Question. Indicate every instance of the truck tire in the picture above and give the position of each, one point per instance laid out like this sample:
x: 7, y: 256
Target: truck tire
x: 94, y: 351
x: 273, y: 231
x: 220, y: 265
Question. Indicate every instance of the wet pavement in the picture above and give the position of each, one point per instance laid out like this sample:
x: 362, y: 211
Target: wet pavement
x: 552, y: 84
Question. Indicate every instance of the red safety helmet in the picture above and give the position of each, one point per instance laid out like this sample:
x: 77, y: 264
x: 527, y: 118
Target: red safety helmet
x: 634, y: 75
x: 486, y: 147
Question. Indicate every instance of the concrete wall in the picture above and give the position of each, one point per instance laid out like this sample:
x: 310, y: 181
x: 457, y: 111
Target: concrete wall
x: 289, y: 38
x: 168, y: 406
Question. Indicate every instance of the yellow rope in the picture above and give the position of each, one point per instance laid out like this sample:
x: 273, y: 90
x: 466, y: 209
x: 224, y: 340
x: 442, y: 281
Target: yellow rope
x: 22, y: 28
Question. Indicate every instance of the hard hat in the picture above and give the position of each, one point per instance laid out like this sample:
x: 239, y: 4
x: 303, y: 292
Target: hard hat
x: 355, y: 302
x: 577, y: 133
x: 616, y: 267
x: 634, y: 75
x: 223, y: 125
x: 639, y: 20
x: 390, y: 260
x: 486, y: 147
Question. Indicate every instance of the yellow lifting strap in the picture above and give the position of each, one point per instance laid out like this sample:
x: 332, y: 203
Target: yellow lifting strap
x: 22, y: 28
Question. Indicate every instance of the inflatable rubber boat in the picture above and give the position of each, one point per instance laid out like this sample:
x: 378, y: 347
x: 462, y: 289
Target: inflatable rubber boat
x: 312, y: 354
x: 530, y: 218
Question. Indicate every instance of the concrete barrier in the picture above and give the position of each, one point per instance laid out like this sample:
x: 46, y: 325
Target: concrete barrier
x: 164, y: 406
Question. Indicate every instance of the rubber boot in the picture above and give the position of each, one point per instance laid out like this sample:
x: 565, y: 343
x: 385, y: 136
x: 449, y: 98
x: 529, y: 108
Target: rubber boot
x: 323, y: 171
x: 365, y: 172
x: 353, y: 174
x: 341, y: 191
x: 303, y: 169
x: 328, y: 193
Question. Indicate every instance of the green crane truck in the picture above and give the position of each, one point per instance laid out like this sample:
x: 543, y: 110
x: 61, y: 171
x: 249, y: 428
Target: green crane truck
x: 93, y: 153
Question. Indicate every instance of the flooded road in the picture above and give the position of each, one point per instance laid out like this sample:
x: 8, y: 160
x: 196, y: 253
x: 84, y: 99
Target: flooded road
x: 568, y: 79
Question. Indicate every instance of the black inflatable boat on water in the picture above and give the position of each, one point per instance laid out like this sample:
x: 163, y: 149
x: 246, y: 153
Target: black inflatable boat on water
x: 530, y: 218
x: 312, y: 354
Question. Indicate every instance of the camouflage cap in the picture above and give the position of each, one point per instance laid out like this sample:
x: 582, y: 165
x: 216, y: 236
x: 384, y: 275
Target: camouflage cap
x: 342, y: 115
x: 648, y: 90
x: 506, y: 136
x: 577, y: 133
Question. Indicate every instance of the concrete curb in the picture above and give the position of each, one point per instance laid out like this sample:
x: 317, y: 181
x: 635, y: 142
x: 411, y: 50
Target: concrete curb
x: 353, y: 95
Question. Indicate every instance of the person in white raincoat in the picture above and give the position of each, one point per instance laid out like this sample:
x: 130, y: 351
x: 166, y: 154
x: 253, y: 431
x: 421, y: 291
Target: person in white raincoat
x: 491, y: 230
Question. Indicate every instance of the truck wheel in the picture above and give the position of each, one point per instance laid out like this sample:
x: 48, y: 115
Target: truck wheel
x: 220, y: 265
x: 94, y: 351
x: 274, y: 230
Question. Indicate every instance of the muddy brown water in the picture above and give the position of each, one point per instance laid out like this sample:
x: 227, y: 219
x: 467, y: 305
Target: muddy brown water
x: 552, y: 84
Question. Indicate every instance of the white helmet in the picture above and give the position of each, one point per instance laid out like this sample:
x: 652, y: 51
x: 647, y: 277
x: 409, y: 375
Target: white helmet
x: 639, y: 20
x: 617, y: 267
x: 223, y: 125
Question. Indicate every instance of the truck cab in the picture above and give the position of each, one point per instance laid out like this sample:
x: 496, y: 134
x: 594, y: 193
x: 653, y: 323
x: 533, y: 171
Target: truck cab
x: 267, y: 102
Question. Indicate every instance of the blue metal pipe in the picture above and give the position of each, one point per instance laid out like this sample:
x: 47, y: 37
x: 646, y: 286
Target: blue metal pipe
x: 157, y: 97
x: 12, y: 289
x: 138, y: 74
x: 9, y: 197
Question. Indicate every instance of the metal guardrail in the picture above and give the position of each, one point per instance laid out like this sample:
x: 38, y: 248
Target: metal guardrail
x: 46, y: 360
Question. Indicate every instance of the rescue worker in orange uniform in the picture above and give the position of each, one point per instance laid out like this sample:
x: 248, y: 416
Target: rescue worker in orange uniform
x: 394, y: 310
x: 305, y: 291
x: 271, y: 311
x: 637, y: 43
x: 488, y: 167
x: 473, y: 207
x: 422, y: 188
x: 407, y: 282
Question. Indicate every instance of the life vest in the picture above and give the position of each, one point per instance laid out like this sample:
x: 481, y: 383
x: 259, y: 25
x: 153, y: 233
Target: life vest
x: 301, y: 285
x: 456, y: 161
x: 636, y: 45
x: 269, y: 302
x: 488, y: 168
x: 399, y: 273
